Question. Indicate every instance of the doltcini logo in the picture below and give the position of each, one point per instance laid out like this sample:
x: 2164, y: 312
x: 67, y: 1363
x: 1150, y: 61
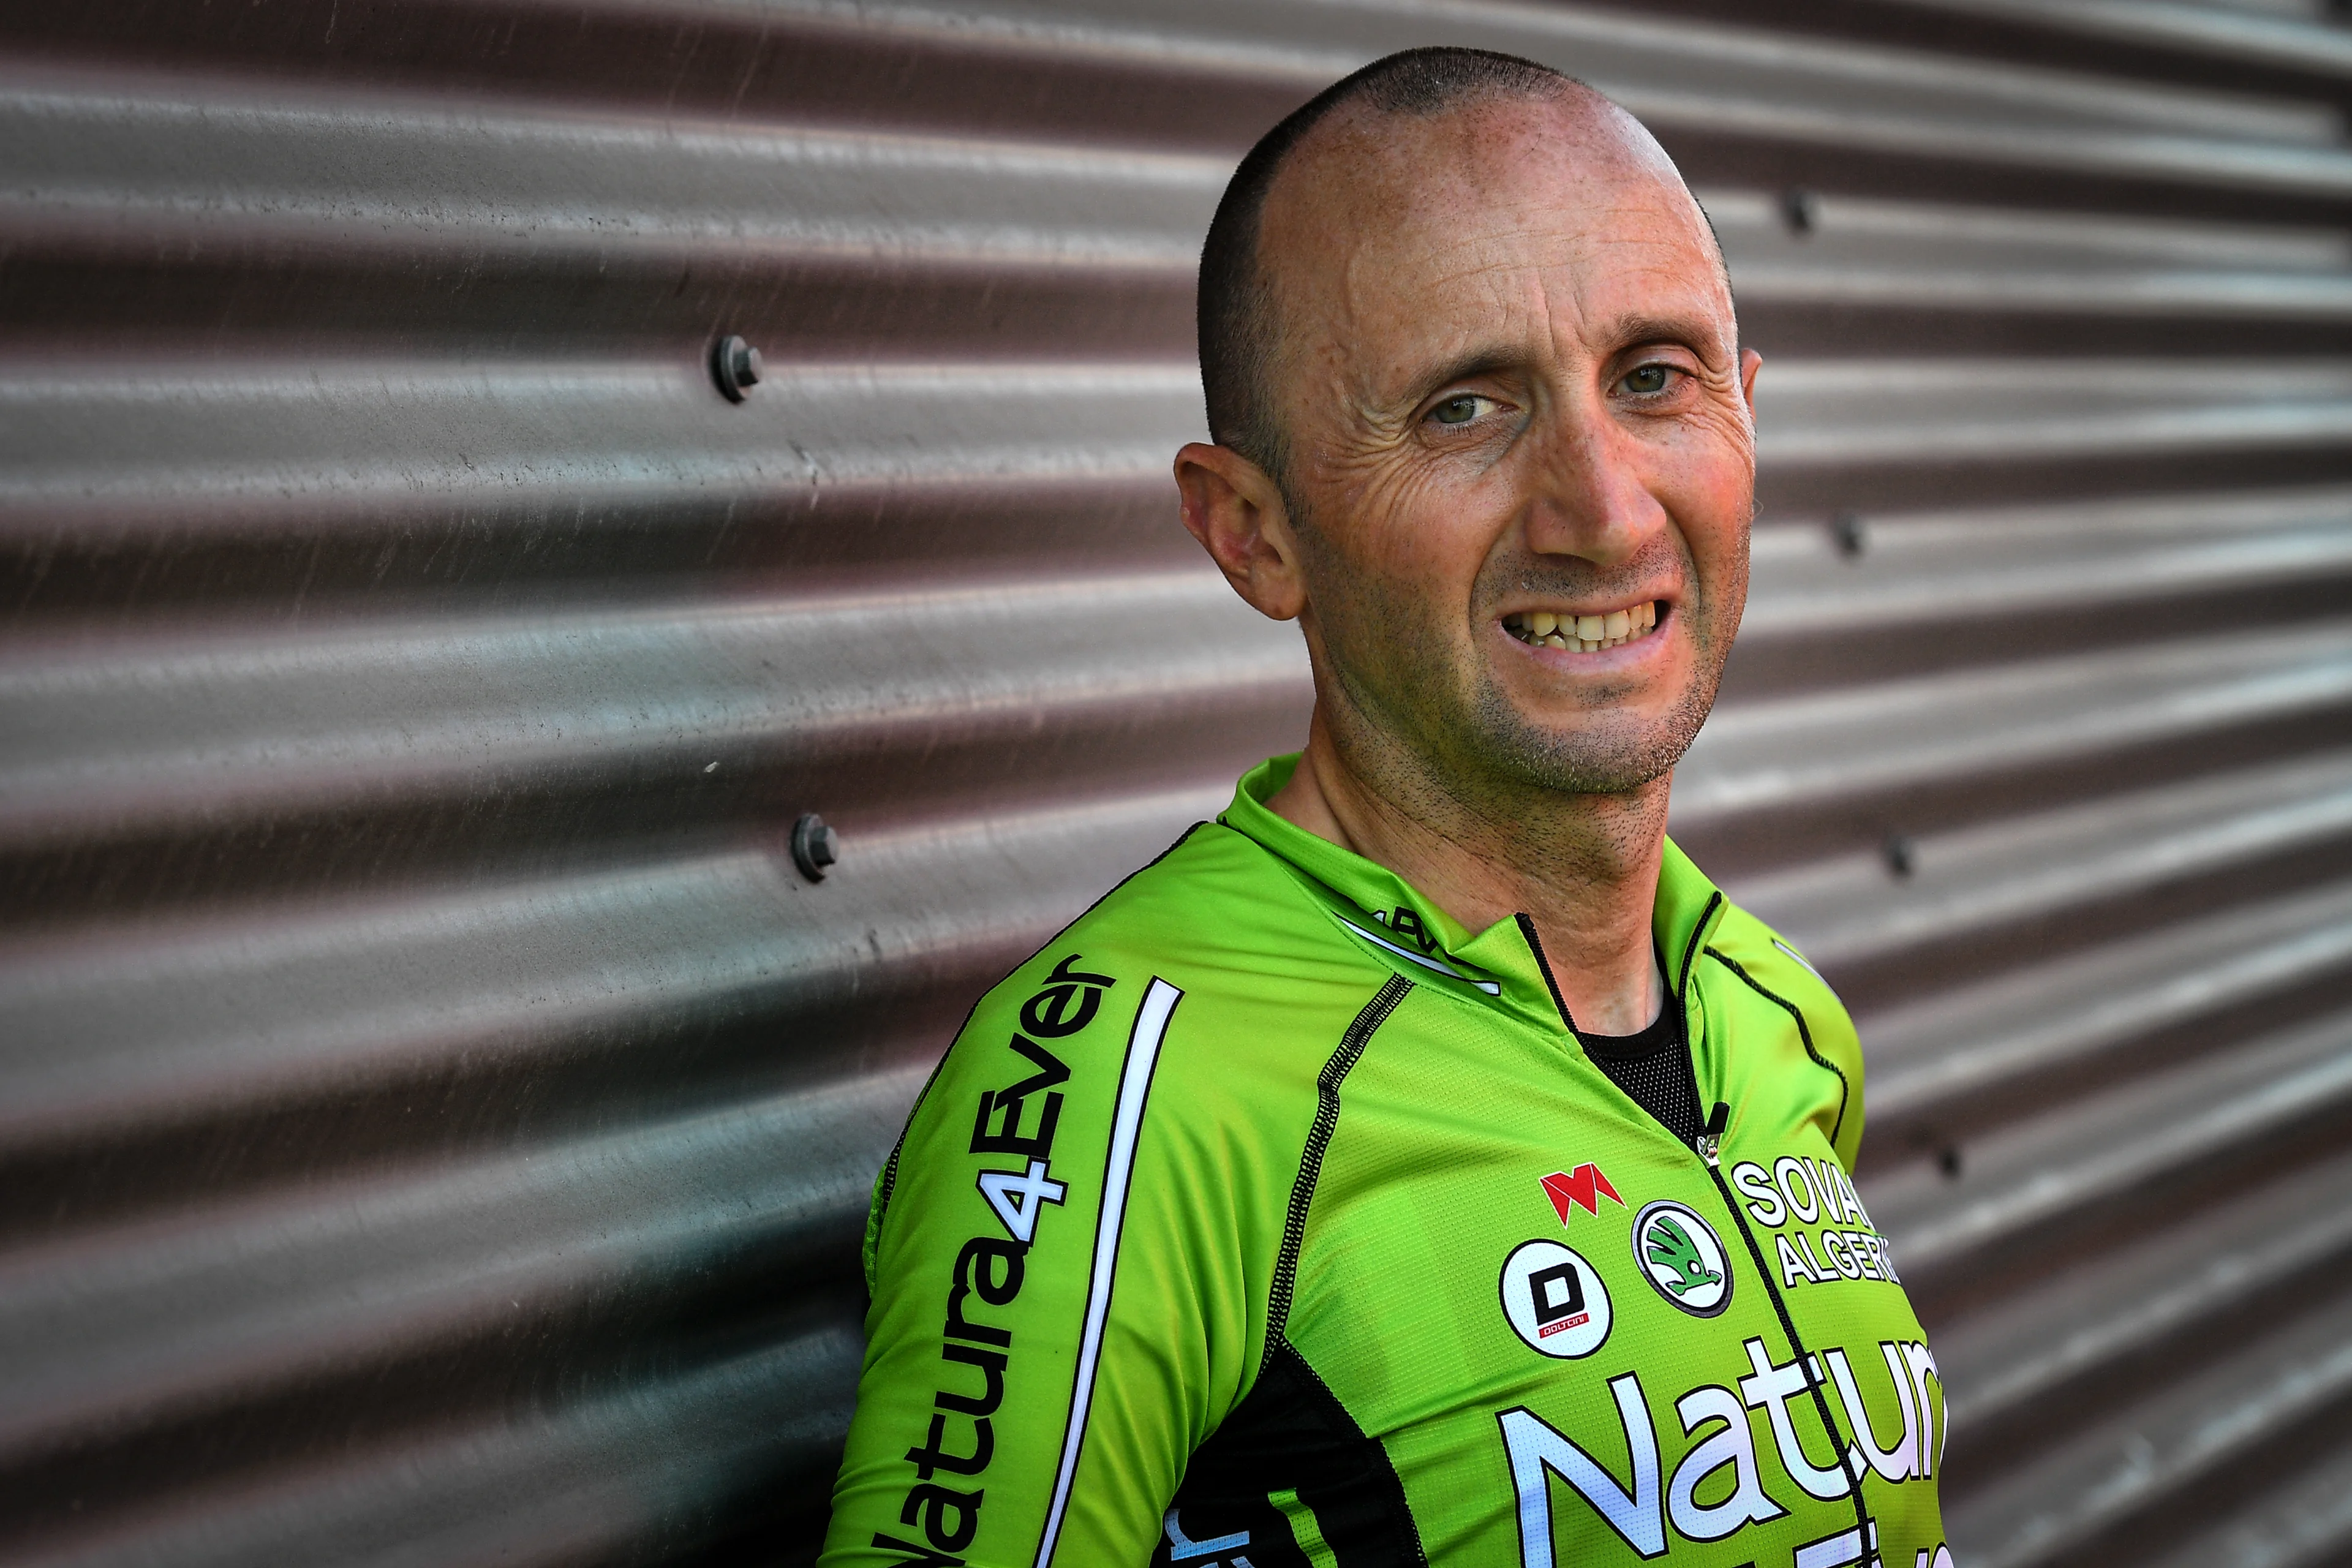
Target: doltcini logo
x: 1554, y: 1299
x: 1683, y: 1258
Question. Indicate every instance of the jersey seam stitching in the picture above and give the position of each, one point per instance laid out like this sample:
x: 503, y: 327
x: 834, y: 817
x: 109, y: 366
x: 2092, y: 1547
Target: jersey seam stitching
x: 1805, y: 1032
x: 1342, y: 1061
x: 890, y: 1166
x: 1698, y: 933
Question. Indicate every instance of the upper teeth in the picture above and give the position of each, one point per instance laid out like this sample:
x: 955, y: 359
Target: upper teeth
x: 1582, y: 634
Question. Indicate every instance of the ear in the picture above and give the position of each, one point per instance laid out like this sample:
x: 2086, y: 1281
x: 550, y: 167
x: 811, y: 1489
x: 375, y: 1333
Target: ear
x: 1237, y: 512
x: 1750, y: 361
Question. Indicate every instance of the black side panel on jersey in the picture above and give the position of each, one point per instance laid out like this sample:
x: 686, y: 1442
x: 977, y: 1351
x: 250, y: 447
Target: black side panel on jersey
x: 1291, y: 1434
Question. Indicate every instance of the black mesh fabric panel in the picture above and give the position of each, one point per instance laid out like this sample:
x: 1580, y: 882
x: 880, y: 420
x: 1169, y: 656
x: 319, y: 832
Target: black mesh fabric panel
x: 1653, y: 1070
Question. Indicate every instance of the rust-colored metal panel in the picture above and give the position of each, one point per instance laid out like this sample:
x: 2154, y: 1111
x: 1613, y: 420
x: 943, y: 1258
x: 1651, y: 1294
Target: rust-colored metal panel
x: 436, y: 1110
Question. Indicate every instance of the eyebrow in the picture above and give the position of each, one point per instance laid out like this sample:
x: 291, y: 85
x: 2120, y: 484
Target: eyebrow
x: 1470, y: 366
x: 1627, y: 331
x: 1691, y: 332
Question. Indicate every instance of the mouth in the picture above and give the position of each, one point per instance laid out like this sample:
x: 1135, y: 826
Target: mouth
x: 1572, y: 633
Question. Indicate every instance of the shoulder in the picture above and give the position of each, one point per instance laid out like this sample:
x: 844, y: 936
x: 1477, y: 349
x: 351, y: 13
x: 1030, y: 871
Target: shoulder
x: 1770, y: 964
x: 1203, y: 994
x: 1761, y: 979
x: 1251, y: 955
x: 1216, y: 918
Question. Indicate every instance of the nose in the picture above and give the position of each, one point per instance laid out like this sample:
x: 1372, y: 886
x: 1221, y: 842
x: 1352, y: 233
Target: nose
x: 1589, y: 491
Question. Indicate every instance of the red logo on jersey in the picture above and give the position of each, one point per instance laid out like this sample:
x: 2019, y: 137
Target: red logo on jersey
x: 1581, y: 1189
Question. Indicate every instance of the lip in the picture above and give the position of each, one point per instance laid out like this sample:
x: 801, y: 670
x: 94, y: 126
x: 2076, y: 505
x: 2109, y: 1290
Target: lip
x: 1606, y: 662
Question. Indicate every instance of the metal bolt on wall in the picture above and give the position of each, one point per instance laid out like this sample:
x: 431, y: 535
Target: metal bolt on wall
x: 735, y: 365
x: 815, y: 847
x: 442, y: 1062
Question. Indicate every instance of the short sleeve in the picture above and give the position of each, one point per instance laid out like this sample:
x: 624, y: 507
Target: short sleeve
x: 1054, y: 1326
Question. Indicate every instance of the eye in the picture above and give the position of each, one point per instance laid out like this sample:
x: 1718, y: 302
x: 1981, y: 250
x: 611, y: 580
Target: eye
x: 1461, y: 408
x: 1649, y: 380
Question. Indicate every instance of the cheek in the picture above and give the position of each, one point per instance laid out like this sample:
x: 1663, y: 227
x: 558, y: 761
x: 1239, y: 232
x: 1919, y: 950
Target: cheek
x: 1419, y: 529
x: 1709, y: 485
x: 1715, y: 523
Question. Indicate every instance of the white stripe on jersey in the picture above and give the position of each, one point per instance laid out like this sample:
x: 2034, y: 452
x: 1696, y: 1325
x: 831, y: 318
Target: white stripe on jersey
x: 1134, y: 1083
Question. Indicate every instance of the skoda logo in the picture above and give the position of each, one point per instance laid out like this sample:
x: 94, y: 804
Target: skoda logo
x: 1683, y: 1258
x: 1555, y: 1301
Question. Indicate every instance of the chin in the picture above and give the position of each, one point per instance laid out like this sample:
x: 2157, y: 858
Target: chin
x: 1607, y: 752
x: 1589, y: 761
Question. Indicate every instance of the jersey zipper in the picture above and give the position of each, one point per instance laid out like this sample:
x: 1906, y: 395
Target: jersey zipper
x: 1708, y: 1147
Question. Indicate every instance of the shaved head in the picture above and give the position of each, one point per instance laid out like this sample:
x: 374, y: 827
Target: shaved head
x: 1348, y: 135
x: 1484, y: 429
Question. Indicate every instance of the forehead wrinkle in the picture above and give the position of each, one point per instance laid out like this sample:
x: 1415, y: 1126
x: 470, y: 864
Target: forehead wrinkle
x: 1359, y: 208
x: 1514, y: 331
x: 1523, y: 315
x: 1436, y: 254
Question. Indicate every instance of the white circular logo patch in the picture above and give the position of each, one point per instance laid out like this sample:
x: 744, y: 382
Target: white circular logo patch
x: 1555, y: 1299
x: 1684, y: 1258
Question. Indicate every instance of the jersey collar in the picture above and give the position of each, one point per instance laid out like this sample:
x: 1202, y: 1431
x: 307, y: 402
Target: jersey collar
x: 1390, y: 918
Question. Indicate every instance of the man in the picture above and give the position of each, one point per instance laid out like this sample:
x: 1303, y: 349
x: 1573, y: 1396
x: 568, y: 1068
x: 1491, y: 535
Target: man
x: 1422, y: 1162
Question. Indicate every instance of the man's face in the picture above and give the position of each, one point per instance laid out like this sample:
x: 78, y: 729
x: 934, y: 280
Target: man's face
x: 1517, y: 417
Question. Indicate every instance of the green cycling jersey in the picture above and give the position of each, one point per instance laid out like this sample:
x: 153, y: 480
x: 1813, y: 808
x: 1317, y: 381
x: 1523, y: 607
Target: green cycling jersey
x: 1267, y: 1217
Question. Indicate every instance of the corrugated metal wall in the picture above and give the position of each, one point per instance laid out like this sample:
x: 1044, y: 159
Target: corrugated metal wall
x: 435, y: 1116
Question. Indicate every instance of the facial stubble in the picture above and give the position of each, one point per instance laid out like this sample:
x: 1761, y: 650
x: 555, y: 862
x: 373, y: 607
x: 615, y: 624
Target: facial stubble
x: 1447, y: 717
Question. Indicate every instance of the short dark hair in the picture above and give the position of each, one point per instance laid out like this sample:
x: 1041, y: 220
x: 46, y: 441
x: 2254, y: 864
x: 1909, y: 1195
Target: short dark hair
x: 1235, y: 305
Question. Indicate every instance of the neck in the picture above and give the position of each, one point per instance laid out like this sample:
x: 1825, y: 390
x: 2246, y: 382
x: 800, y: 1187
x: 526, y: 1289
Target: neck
x: 1584, y: 868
